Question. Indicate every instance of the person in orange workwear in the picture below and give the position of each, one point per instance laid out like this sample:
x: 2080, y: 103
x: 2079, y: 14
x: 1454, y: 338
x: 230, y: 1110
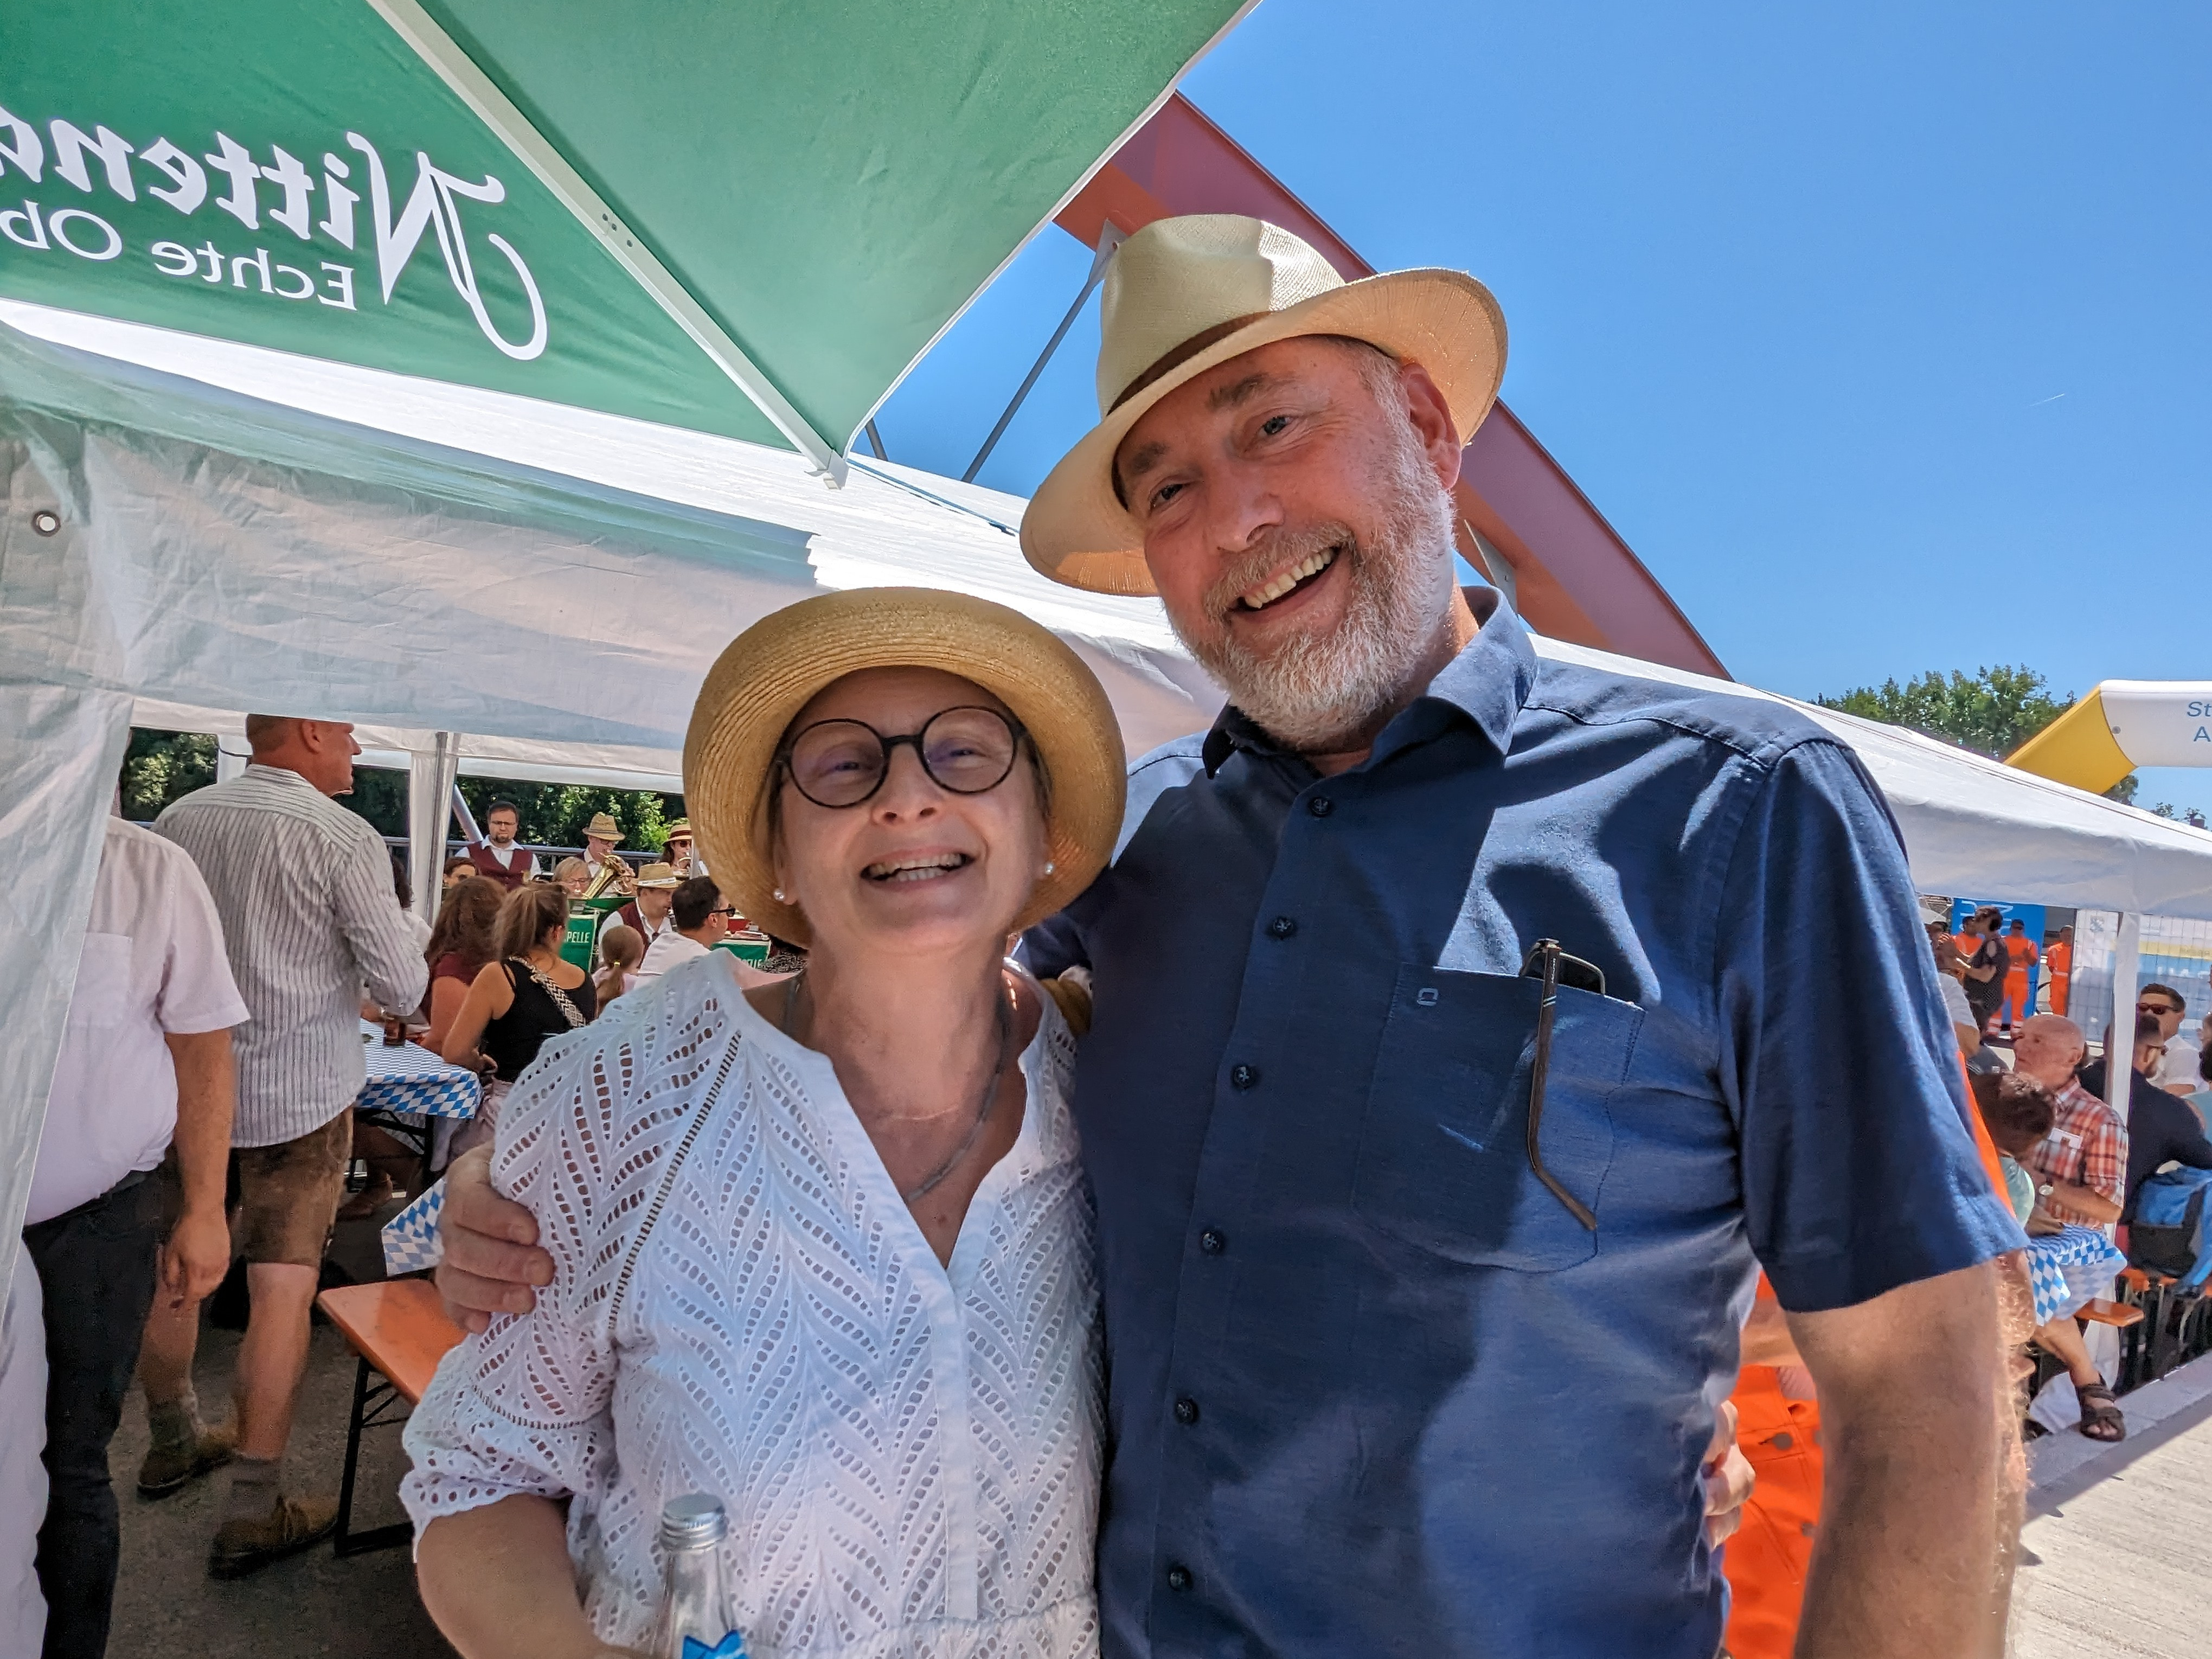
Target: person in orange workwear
x: 2020, y: 994
x: 2058, y: 963
x: 1778, y: 1428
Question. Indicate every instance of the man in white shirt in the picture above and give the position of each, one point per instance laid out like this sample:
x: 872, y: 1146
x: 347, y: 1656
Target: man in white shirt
x: 652, y: 912
x: 702, y: 918
x: 304, y: 889
x: 2176, y: 1070
x: 145, y: 1061
x: 496, y: 856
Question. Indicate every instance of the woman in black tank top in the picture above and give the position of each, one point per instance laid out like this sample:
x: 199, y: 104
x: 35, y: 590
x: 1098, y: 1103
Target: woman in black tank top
x: 515, y: 1004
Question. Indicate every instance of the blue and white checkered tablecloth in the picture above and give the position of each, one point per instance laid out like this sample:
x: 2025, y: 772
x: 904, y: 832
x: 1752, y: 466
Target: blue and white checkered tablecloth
x: 410, y: 1079
x: 2069, y: 1268
x: 410, y: 1238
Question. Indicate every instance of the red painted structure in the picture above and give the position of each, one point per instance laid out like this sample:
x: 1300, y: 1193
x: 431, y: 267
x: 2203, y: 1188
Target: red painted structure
x: 1572, y: 576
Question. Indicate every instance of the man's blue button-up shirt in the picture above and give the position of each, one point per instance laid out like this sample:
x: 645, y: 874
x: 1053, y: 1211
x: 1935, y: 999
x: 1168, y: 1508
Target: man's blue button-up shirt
x: 1372, y: 1387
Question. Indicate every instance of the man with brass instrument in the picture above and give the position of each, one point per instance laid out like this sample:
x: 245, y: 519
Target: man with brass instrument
x: 608, y: 873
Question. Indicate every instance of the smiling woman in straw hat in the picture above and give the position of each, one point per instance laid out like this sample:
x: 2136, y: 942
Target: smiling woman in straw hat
x: 822, y: 1250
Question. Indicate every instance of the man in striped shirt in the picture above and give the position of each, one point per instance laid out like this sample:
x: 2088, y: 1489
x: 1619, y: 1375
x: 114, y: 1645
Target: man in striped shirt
x: 304, y: 889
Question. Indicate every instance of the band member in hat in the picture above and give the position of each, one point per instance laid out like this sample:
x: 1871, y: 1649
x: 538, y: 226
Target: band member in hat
x: 605, y: 873
x: 679, y: 852
x: 648, y: 913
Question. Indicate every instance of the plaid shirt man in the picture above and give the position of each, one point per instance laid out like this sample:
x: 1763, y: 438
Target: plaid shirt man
x: 2088, y: 1146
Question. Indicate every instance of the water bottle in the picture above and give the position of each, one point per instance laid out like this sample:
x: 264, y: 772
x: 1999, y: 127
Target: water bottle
x: 695, y: 1620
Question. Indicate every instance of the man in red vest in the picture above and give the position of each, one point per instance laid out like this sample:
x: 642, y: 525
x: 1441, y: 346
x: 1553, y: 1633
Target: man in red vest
x: 499, y: 857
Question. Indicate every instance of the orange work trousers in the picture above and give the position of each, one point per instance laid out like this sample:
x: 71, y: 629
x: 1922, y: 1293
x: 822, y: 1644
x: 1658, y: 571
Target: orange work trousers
x: 1766, y: 1559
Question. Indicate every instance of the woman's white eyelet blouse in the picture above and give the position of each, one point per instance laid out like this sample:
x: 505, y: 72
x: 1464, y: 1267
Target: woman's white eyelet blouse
x: 742, y: 1306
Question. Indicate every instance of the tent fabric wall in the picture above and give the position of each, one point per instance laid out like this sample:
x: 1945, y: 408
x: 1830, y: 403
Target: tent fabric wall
x: 167, y: 545
x: 59, y: 751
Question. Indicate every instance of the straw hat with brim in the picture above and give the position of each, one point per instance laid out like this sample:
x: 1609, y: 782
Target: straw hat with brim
x: 774, y: 668
x: 603, y: 827
x: 1185, y: 294
x: 658, y: 875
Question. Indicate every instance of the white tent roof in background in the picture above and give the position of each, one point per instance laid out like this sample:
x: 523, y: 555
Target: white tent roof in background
x: 546, y: 580
x: 1975, y: 826
x: 567, y: 656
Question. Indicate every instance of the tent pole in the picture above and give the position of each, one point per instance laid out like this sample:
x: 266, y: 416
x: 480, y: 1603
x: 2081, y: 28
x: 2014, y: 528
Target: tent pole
x: 2120, y: 1052
x: 229, y: 761
x: 429, y: 805
x: 1109, y: 238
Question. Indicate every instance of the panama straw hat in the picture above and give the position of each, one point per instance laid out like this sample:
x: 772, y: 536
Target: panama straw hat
x: 775, y: 668
x: 603, y: 827
x: 658, y: 875
x: 1185, y: 294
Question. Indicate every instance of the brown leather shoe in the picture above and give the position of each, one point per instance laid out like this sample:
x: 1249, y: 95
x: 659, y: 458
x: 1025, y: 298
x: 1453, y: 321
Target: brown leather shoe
x: 245, y: 1546
x: 170, y: 1469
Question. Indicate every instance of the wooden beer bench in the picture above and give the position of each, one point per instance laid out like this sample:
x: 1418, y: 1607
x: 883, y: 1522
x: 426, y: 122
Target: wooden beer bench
x: 400, y: 1331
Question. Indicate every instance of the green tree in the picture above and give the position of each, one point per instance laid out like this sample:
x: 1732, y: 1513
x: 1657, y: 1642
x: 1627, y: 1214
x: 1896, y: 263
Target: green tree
x: 161, y: 766
x: 555, y: 814
x: 1993, y: 711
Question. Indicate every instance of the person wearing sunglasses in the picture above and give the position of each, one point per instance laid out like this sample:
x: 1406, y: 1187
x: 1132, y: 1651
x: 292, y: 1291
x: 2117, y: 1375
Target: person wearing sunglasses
x: 699, y: 919
x: 2176, y: 1070
x: 821, y: 1249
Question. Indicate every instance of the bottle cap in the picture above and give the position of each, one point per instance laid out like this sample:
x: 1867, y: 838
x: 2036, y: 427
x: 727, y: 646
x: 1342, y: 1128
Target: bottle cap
x: 696, y: 1521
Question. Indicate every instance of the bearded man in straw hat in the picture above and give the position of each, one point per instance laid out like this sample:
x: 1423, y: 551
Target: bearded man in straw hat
x: 1458, y: 1059
x: 1458, y: 1056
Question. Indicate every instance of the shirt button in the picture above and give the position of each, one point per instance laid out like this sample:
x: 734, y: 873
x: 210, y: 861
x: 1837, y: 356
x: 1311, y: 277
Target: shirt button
x: 1243, y: 1077
x: 1320, y: 806
x: 1281, y: 928
x: 1212, y: 1242
x: 1186, y: 1410
x: 1178, y: 1578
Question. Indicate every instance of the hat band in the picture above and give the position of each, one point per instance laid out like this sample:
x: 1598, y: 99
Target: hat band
x: 1176, y: 356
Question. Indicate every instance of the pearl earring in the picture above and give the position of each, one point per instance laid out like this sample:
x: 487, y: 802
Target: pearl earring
x: 779, y: 896
x: 1049, y: 867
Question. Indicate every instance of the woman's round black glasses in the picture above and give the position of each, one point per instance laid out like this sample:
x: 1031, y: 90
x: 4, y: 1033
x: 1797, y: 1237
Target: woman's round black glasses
x: 966, y: 751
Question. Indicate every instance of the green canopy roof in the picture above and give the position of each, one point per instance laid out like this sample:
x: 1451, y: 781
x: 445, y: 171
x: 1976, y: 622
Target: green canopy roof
x: 746, y: 218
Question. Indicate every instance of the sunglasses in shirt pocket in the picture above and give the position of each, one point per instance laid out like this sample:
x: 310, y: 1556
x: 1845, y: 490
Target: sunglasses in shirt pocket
x: 1444, y: 1160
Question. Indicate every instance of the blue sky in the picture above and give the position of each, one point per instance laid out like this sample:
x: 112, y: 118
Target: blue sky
x: 1883, y: 334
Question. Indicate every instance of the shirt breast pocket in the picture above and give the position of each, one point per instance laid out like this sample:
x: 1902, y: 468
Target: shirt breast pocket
x: 1443, y: 1153
x: 102, y: 1000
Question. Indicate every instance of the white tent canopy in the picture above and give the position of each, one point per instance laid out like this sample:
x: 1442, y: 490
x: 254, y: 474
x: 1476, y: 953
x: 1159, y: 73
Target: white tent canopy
x: 522, y: 589
x: 1977, y: 826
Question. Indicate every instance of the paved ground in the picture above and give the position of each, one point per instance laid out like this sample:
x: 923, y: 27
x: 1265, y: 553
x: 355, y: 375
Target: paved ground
x: 311, y: 1604
x: 2113, y: 1565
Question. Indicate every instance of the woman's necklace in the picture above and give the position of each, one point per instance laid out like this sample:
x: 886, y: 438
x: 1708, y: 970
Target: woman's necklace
x: 982, y: 1107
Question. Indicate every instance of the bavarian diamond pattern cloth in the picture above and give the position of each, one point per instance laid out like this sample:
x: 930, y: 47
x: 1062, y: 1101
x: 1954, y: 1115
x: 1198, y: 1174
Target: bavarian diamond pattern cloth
x: 2067, y: 1268
x: 410, y: 1079
x: 410, y: 1238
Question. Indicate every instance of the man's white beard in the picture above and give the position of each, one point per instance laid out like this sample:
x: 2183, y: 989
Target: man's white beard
x: 1314, y: 693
